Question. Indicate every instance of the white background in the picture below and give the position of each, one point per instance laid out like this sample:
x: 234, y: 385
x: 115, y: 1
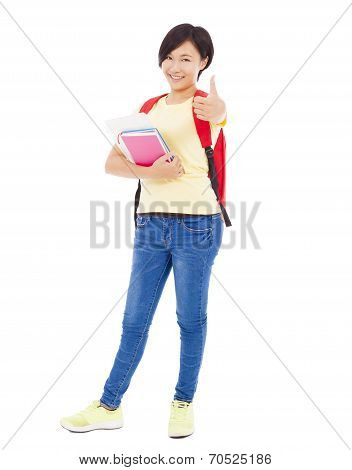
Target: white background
x: 276, y: 377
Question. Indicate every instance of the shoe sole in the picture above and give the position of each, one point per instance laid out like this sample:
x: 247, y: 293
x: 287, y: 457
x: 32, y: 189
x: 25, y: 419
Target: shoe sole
x: 179, y: 436
x: 93, y: 427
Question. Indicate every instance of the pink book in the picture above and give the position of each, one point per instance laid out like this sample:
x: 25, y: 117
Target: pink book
x: 142, y: 146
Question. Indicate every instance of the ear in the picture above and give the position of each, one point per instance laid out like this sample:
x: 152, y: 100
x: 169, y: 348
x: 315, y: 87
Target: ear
x: 204, y: 62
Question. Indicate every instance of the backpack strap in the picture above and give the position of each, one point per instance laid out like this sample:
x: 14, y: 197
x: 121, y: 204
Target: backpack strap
x: 216, y: 159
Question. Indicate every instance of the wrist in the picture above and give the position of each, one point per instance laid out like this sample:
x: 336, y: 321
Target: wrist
x: 149, y: 172
x: 221, y: 120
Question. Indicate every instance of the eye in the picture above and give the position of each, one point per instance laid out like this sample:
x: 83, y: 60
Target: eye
x: 187, y: 60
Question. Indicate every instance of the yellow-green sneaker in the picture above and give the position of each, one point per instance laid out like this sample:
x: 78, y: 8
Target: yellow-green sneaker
x: 93, y: 417
x: 181, y: 422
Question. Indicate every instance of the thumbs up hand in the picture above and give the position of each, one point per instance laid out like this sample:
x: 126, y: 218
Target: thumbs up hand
x: 210, y: 108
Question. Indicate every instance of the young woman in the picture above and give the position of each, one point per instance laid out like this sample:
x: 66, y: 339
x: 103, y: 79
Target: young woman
x: 179, y: 226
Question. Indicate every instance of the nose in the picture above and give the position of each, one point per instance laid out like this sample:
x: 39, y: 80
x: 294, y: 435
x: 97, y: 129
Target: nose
x: 175, y: 68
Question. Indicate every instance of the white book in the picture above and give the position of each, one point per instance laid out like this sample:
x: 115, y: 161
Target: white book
x: 131, y: 122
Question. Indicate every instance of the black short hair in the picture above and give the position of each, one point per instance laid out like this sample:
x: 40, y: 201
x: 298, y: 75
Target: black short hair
x: 196, y: 34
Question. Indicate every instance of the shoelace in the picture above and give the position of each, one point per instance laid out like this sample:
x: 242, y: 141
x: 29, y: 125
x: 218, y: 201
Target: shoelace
x: 179, y: 410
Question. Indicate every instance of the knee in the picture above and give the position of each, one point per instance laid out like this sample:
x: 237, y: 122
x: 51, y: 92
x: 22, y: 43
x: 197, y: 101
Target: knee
x: 192, y: 326
x: 134, y: 328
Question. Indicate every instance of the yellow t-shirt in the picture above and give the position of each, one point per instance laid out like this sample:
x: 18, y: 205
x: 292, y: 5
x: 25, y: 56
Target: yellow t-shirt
x: 190, y: 193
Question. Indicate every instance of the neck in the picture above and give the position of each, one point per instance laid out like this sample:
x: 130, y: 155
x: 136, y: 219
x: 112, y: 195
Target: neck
x: 177, y: 96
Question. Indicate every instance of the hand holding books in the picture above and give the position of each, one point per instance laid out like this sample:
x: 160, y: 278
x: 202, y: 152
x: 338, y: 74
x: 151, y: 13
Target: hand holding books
x: 168, y: 166
x: 142, y: 143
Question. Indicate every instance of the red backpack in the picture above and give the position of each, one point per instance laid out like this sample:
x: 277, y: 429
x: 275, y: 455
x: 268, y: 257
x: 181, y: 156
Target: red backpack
x: 216, y: 157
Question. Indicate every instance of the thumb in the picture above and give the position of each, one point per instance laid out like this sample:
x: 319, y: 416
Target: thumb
x: 213, y: 90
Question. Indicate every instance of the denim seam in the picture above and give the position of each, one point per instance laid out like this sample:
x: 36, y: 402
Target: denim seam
x: 145, y: 327
x: 200, y: 306
x: 200, y: 303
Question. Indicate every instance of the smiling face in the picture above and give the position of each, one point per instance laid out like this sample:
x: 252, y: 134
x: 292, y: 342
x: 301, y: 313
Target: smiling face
x: 184, y: 62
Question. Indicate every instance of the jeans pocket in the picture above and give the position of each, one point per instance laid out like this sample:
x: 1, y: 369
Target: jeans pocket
x: 141, y: 221
x: 200, y: 224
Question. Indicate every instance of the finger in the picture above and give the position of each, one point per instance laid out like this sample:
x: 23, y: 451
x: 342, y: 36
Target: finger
x: 199, y: 104
x: 213, y: 90
x: 200, y: 110
x: 199, y: 100
x: 202, y: 116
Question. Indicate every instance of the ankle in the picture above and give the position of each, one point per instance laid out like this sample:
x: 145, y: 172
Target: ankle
x: 107, y: 407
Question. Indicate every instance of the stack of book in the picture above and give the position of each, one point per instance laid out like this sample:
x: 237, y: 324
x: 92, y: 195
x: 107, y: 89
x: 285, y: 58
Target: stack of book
x: 139, y: 141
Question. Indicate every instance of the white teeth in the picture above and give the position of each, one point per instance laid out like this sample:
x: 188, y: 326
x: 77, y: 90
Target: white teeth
x: 176, y: 78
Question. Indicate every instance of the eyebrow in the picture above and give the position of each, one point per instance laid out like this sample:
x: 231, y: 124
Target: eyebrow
x: 183, y: 55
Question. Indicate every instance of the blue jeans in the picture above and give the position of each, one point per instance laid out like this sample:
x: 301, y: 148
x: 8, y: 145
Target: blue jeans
x: 188, y: 244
